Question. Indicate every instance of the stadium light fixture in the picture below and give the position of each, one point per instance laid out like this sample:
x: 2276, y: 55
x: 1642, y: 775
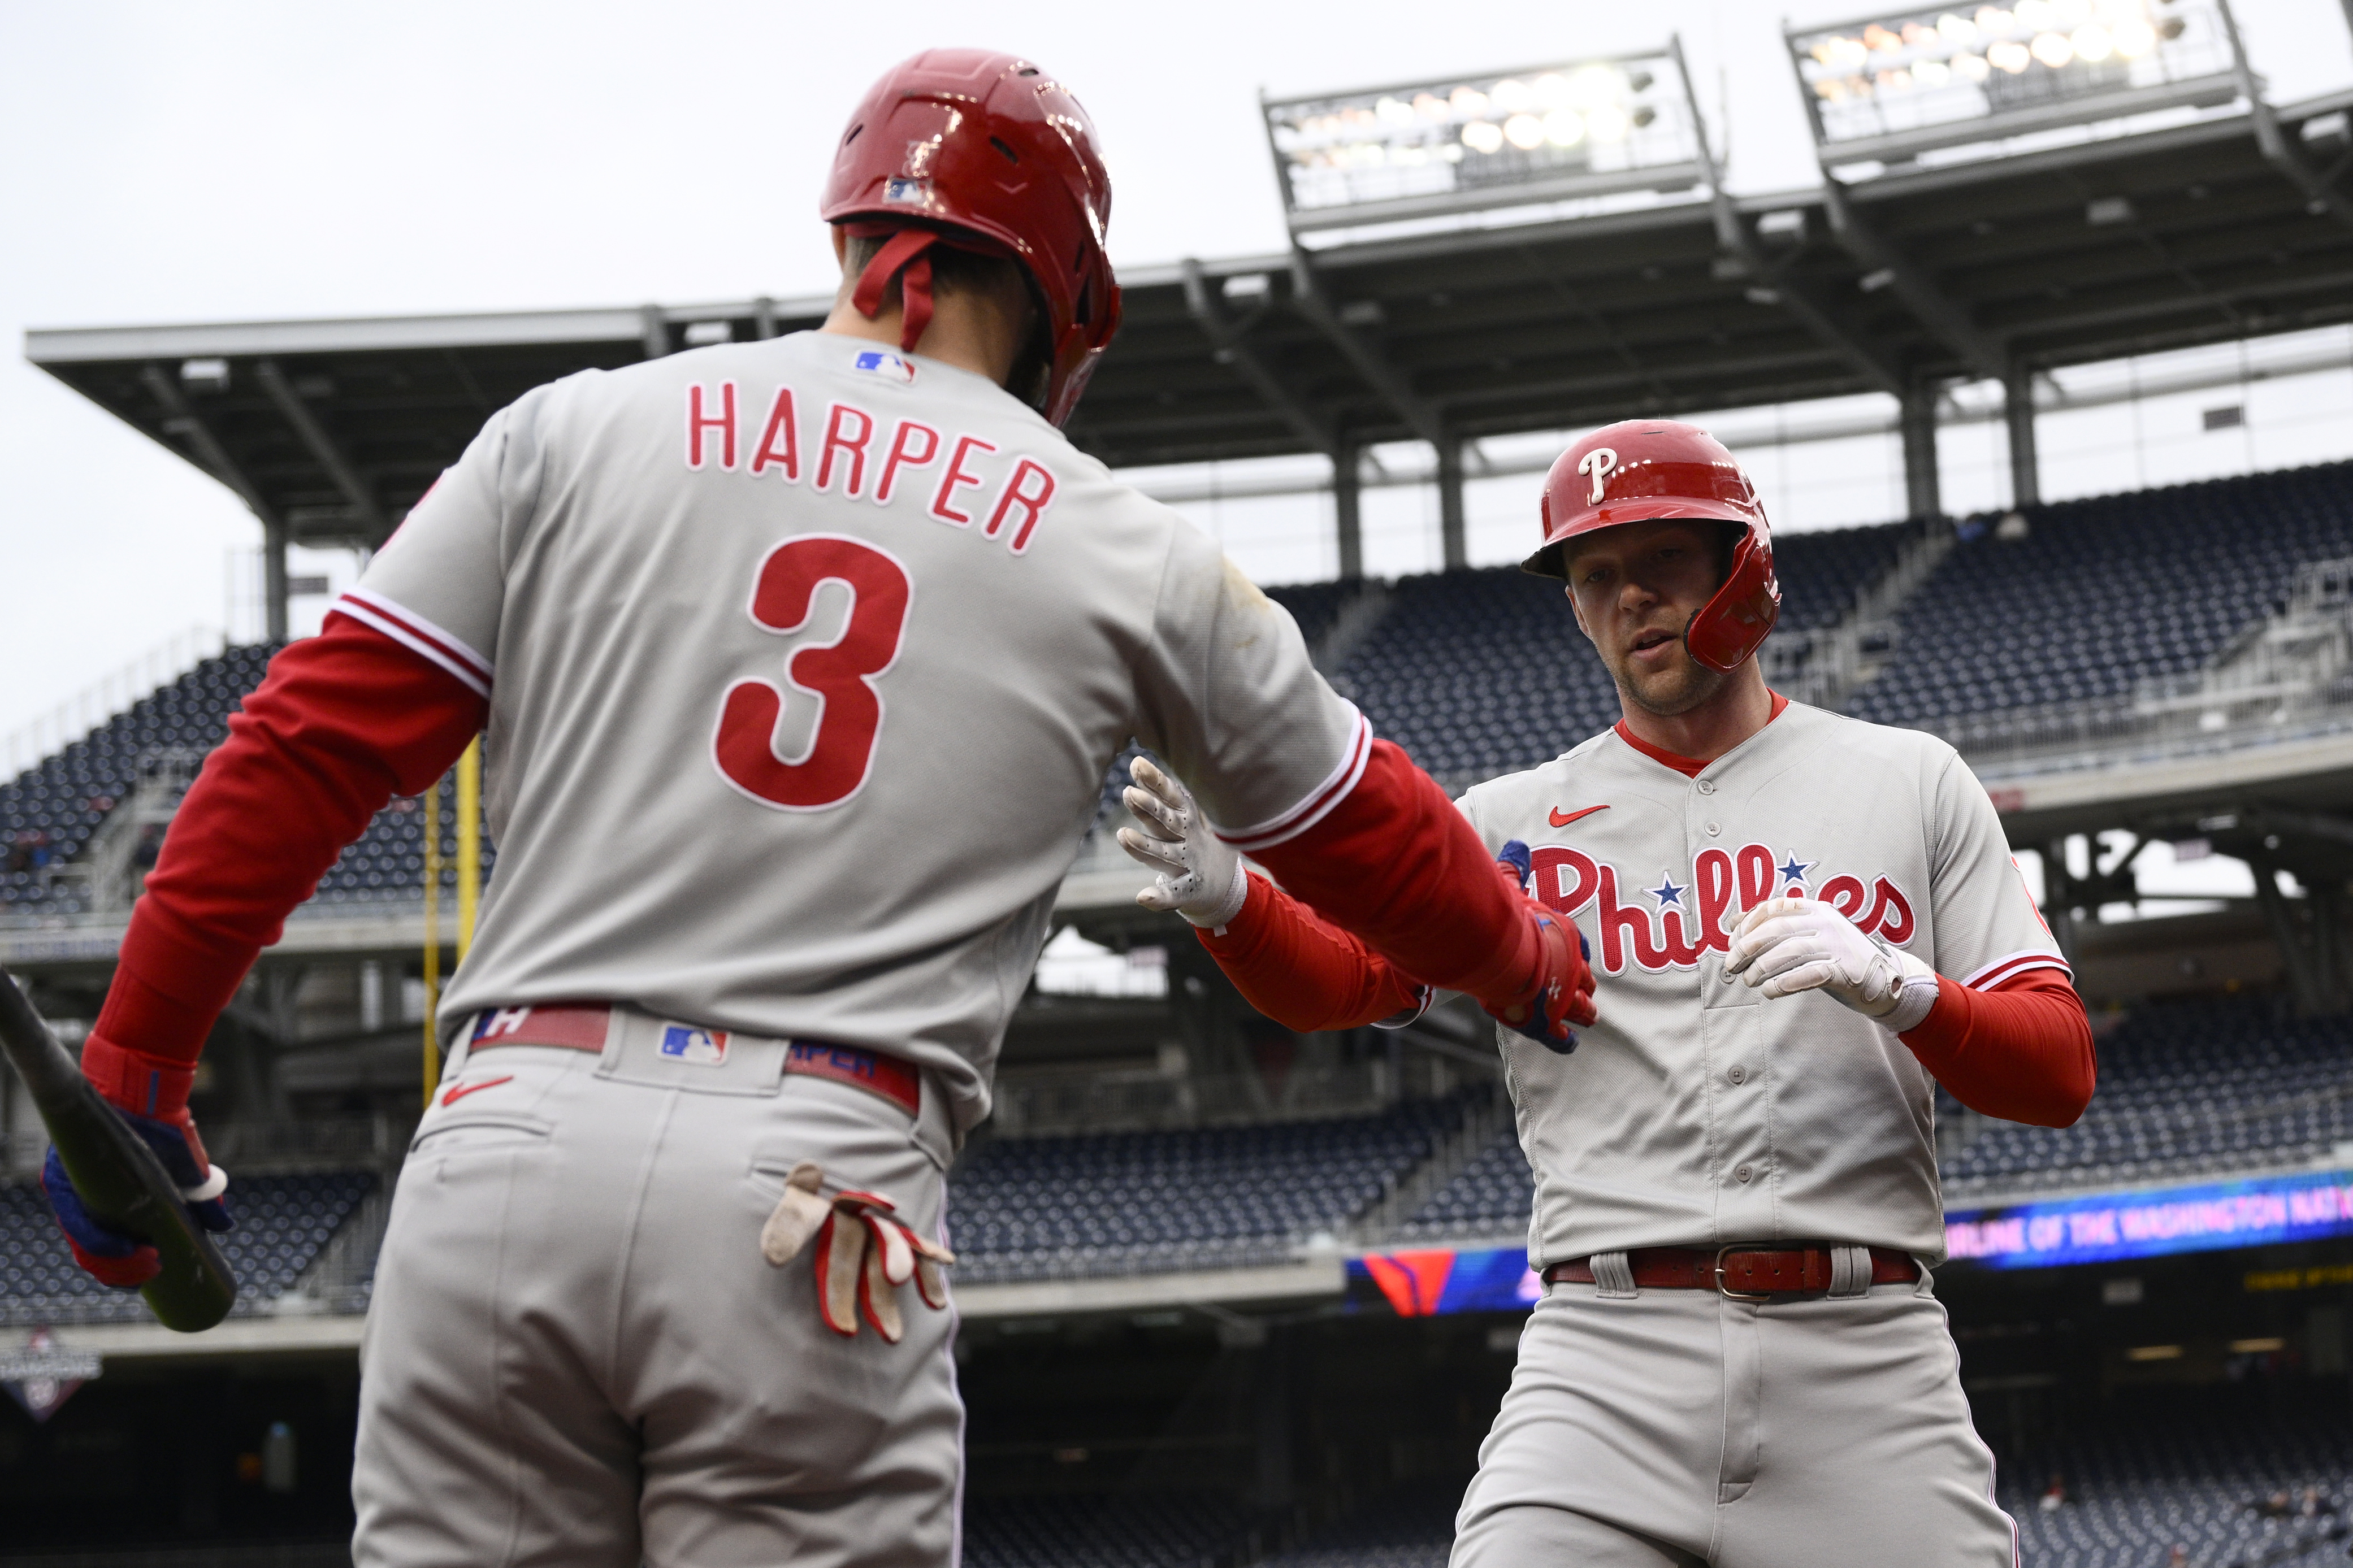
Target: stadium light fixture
x: 1496, y: 139
x: 1892, y: 86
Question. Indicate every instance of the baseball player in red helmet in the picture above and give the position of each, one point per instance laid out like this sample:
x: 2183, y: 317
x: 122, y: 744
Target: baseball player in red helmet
x: 1800, y: 924
x: 665, y: 1279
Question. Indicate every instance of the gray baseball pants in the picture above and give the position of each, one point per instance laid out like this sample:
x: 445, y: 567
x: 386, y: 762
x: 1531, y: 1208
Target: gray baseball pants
x: 577, y: 1356
x: 1672, y: 1428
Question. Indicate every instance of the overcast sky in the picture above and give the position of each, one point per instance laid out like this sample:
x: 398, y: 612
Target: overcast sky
x: 222, y: 162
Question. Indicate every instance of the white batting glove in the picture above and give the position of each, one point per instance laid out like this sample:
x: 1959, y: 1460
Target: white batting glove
x: 1200, y: 877
x: 1784, y: 946
x: 864, y: 1253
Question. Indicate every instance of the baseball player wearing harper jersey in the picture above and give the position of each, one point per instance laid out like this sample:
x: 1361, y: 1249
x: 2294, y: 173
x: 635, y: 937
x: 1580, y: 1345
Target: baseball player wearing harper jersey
x: 1798, y: 922
x: 665, y: 1279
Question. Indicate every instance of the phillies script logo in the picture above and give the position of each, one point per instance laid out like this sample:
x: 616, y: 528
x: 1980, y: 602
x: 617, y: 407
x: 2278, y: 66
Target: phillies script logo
x: 1669, y: 927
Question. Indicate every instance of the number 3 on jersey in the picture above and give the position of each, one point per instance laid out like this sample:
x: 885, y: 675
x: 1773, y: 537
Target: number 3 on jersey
x: 841, y: 674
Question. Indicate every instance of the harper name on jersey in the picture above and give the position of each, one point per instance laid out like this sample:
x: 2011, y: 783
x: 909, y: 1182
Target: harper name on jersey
x: 1684, y: 921
x: 842, y: 438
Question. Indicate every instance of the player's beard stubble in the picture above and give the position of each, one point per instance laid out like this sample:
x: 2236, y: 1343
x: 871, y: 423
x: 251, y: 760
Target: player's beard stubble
x: 1682, y: 685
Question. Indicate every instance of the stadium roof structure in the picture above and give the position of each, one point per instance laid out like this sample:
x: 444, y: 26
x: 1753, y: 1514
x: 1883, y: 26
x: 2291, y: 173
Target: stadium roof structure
x: 2232, y: 223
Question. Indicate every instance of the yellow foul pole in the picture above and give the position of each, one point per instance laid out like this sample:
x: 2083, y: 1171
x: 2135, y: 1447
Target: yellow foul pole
x: 468, y: 807
x: 432, y: 936
x: 470, y: 842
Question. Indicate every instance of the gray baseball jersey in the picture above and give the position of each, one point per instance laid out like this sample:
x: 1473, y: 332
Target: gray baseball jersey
x: 745, y: 617
x: 1697, y: 1112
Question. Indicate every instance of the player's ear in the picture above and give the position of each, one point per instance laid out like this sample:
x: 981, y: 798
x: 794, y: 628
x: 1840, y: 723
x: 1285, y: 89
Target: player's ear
x: 1569, y: 591
x: 840, y: 245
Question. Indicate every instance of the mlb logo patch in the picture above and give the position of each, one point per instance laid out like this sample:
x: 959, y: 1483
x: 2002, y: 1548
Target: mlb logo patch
x: 885, y: 364
x: 900, y: 189
x: 698, y: 1048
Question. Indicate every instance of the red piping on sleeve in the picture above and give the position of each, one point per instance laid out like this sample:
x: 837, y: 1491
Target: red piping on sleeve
x: 2020, y: 1050
x: 343, y: 721
x: 1394, y: 862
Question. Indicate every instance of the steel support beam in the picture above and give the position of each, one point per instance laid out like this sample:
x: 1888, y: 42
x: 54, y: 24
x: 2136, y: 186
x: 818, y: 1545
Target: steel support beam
x: 1229, y: 338
x: 325, y: 449
x: 1820, y: 320
x: 1922, y: 494
x: 1348, y: 510
x: 1982, y: 352
x: 2058, y: 893
x: 1454, y: 548
x: 2018, y: 415
x: 179, y: 419
x: 1308, y: 297
x: 2320, y: 195
x: 2306, y: 976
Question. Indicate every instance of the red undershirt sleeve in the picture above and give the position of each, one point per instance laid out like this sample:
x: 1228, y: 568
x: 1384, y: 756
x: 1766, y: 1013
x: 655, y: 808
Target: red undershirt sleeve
x: 1301, y: 972
x: 343, y: 721
x: 2021, y: 1051
x: 1396, y: 863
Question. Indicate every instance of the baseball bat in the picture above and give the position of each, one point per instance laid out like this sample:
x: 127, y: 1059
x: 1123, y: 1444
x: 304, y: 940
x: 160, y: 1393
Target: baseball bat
x: 122, y: 1185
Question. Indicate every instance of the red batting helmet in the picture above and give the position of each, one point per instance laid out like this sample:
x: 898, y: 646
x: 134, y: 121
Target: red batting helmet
x: 1640, y: 469
x: 984, y: 152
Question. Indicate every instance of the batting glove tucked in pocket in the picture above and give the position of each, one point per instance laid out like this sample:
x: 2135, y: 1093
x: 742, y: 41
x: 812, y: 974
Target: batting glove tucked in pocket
x: 865, y: 1252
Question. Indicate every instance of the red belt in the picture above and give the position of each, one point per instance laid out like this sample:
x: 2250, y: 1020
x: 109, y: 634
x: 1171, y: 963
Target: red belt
x: 1743, y: 1273
x: 580, y: 1027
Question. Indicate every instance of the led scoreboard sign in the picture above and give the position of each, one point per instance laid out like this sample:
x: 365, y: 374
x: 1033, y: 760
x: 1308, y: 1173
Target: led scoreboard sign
x: 2256, y: 1212
x: 2103, y: 1228
x: 1505, y: 139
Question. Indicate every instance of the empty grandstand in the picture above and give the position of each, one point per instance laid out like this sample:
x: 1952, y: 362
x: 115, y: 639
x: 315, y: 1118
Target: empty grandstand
x: 1181, y: 1530
x: 284, y: 1224
x: 2242, y: 1492
x: 2090, y: 598
x: 1175, y: 1347
x: 1207, y: 1198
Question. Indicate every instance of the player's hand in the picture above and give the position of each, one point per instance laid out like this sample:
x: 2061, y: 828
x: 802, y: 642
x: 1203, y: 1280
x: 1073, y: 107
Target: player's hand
x: 1784, y: 946
x: 1201, y: 876
x: 1558, y: 989
x: 109, y: 1256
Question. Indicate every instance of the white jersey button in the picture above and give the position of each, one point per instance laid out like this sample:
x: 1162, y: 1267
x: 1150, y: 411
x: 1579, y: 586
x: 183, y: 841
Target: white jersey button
x: 1738, y: 1075
x: 1707, y: 786
x: 1742, y: 1174
x: 1713, y: 831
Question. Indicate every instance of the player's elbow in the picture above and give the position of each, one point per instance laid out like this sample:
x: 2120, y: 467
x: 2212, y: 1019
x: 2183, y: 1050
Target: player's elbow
x: 2068, y: 1093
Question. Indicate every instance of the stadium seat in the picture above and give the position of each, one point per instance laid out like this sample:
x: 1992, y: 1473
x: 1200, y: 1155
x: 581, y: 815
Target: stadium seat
x: 283, y: 1223
x: 2104, y: 593
x: 1125, y: 1203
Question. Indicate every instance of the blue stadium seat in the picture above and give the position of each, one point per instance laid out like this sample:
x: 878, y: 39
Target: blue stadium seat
x: 1178, y: 1529
x: 283, y: 1223
x: 1126, y: 1203
x: 48, y: 813
x: 2186, y: 1088
x: 2104, y: 593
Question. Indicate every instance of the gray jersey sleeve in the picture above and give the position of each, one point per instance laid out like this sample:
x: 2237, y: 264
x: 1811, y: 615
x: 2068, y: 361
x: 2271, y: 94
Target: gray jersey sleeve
x: 1987, y: 929
x: 1228, y: 696
x: 439, y: 582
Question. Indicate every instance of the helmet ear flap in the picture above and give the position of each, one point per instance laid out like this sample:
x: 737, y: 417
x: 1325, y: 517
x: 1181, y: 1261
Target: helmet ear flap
x: 1732, y: 624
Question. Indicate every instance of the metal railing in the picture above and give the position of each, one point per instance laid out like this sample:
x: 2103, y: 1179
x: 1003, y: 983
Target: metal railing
x: 112, y: 693
x: 2286, y: 677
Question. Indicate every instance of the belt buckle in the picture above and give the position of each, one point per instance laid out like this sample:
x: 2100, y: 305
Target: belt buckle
x: 1717, y: 1274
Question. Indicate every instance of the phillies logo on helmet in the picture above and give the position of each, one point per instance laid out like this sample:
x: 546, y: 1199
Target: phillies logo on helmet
x: 1601, y: 462
x: 1671, y: 926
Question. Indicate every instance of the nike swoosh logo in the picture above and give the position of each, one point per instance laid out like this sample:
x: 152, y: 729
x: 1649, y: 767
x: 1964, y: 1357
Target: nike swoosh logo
x: 1563, y: 819
x: 457, y: 1091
